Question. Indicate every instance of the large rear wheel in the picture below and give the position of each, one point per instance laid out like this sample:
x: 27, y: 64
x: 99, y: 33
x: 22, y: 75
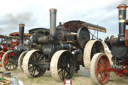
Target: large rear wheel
x: 97, y: 70
x: 62, y: 65
x: 91, y: 48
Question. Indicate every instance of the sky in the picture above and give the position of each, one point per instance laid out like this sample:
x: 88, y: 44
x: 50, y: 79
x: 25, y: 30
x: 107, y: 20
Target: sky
x: 35, y: 13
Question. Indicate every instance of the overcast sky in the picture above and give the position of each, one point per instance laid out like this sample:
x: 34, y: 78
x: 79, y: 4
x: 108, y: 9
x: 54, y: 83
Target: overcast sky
x: 35, y: 13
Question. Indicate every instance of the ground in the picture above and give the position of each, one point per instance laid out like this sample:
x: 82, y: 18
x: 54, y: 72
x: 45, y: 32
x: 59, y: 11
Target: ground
x: 46, y: 79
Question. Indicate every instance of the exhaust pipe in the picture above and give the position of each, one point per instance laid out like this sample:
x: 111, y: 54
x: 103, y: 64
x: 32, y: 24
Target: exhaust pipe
x: 21, y: 33
x: 52, y: 21
x: 122, y: 21
x: 122, y: 26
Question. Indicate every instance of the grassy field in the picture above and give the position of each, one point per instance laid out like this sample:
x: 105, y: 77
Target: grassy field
x: 46, y: 79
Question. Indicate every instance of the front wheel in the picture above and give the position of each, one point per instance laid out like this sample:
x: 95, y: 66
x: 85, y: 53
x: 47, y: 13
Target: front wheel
x: 31, y: 64
x: 9, y: 62
x: 97, y: 70
x: 62, y: 65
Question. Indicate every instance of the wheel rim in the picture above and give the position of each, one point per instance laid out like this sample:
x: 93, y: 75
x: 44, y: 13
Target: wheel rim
x: 64, y: 67
x: 9, y: 62
x: 1, y: 54
x: 91, y: 48
x: 33, y: 64
x: 6, y: 60
x: 101, y: 64
x: 20, y: 60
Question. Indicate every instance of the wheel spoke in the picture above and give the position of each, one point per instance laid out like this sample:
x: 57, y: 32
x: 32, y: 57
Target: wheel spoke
x: 62, y: 74
x: 14, y: 62
x: 102, y: 62
x: 39, y: 69
x: 34, y: 70
x: 101, y: 76
x: 99, y: 64
x: 105, y: 65
x: 67, y: 70
x: 60, y: 71
x: 40, y: 58
x: 10, y: 66
x: 98, y: 70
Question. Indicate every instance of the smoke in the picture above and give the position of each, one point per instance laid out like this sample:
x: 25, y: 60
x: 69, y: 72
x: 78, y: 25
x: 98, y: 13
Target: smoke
x: 12, y: 20
x: 19, y: 18
x: 9, y: 22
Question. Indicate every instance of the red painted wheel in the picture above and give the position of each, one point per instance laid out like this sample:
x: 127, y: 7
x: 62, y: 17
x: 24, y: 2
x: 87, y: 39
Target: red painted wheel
x: 97, y: 70
x: 9, y: 62
x: 6, y: 59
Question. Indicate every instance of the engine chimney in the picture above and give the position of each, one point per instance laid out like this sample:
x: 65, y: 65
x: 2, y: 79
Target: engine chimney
x: 21, y: 33
x: 52, y: 21
x: 122, y: 21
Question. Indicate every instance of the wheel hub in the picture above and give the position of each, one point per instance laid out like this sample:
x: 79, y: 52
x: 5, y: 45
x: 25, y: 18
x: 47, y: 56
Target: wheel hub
x: 10, y: 60
x: 102, y: 68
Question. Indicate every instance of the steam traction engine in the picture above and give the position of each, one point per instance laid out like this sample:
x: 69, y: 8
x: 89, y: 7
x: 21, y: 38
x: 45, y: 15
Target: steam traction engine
x: 63, y: 50
x: 13, y: 49
x: 7, y: 43
x: 100, y: 66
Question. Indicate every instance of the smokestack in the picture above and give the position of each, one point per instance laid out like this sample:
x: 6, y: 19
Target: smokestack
x: 52, y: 21
x: 21, y: 33
x: 122, y: 21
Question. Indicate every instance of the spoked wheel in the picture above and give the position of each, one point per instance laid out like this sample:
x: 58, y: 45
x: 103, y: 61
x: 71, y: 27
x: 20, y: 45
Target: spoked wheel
x: 97, y: 70
x: 92, y: 47
x: 31, y: 64
x: 62, y: 65
x: 20, y: 60
x: 1, y: 54
x: 8, y: 61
